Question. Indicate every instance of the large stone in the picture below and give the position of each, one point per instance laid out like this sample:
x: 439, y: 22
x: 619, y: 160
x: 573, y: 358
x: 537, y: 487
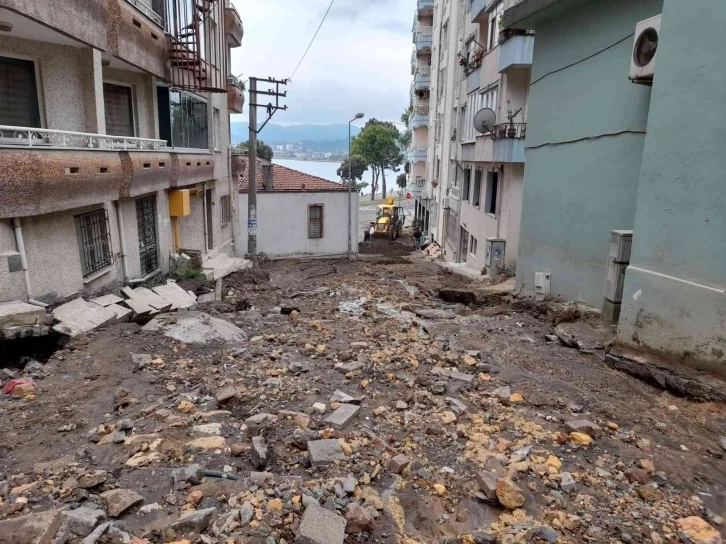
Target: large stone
x: 488, y: 485
x: 324, y: 452
x: 37, y: 528
x: 398, y: 464
x: 567, y: 483
x: 191, y: 474
x: 503, y: 393
x: 453, y: 374
x: 180, y: 299
x: 343, y: 415
x: 78, y: 317
x: 226, y: 394
x: 206, y: 443
x: 321, y: 526
x: 345, y: 398
x: 83, y: 520
x: 256, y: 423
x: 196, y: 521
x: 509, y: 494
x: 584, y: 426
x: 697, y: 531
x: 196, y: 328
x: 359, y: 519
x: 92, y: 478
x: 258, y: 452
x: 120, y: 500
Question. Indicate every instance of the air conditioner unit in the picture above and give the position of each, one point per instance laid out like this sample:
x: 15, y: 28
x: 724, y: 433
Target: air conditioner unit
x: 645, y: 49
x: 494, y: 259
x: 445, y: 204
x: 422, y: 93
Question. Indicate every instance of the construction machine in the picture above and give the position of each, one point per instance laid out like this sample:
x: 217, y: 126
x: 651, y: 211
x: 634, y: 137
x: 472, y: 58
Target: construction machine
x: 389, y: 220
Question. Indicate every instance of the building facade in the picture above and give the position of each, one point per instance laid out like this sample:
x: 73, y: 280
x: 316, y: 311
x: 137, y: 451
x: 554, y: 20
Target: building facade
x: 468, y: 184
x: 605, y: 154
x: 111, y: 113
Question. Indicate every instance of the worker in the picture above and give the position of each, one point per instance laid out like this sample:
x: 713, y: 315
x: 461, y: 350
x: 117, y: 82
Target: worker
x: 417, y: 238
x: 371, y: 233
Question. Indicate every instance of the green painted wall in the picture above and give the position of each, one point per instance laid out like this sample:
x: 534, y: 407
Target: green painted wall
x: 675, y: 299
x: 584, y: 143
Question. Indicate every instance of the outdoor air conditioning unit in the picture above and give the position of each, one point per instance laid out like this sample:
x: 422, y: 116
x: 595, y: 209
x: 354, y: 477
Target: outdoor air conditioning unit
x: 446, y: 203
x: 422, y: 93
x: 621, y: 241
x: 494, y: 259
x: 645, y: 49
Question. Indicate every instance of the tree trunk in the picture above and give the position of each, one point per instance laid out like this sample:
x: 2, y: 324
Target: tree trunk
x: 383, y: 182
x: 375, y: 182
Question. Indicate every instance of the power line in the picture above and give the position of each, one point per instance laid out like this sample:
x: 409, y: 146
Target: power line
x: 311, y: 41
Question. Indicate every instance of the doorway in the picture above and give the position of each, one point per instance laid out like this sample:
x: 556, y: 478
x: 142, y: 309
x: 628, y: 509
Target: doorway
x: 148, y: 241
x: 463, y: 245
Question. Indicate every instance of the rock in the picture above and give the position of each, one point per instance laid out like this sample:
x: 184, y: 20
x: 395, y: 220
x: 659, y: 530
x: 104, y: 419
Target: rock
x: 149, y: 508
x: 637, y: 475
x: 83, y: 520
x: 650, y: 494
x: 398, y: 464
x: 308, y: 500
x: 97, y: 533
x: 226, y: 523
x: 554, y: 462
x: 196, y: 328
x: 341, y: 397
x: 448, y: 417
x: 141, y: 360
x: 349, y: 367
x: 583, y: 426
x: 483, y: 537
x: 509, y: 494
x: 457, y: 405
x: 401, y: 405
x: 343, y: 415
x: 191, y: 474
x: 320, y: 526
x: 246, y: 513
x: 580, y: 439
x: 196, y: 521
x: 206, y: 443
x: 440, y: 489
x: 226, y: 394
x: 567, y: 483
x: 370, y: 497
x: 488, y: 485
x: 36, y: 528
x: 453, y: 374
x: 502, y: 393
x: 120, y: 500
x: 324, y: 452
x: 542, y: 534
x: 186, y: 407
x: 647, y: 465
x: 722, y: 441
x: 319, y: 407
x: 697, y: 531
x: 359, y: 519
x: 125, y: 425
x: 259, y: 452
x: 195, y: 497
x: 237, y: 449
x: 92, y: 478
x: 258, y: 422
x: 516, y: 398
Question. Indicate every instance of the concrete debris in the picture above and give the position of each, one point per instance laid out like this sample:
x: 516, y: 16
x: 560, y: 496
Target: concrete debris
x: 120, y: 500
x: 259, y: 452
x: 196, y: 328
x: 78, y: 317
x: 324, y: 452
x: 82, y: 521
x: 320, y: 526
x: 343, y: 415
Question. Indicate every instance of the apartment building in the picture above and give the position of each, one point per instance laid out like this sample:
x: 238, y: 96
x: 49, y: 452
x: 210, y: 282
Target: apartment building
x: 471, y: 191
x: 624, y: 150
x: 114, y: 140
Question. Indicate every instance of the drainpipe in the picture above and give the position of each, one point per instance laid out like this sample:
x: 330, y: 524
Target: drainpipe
x: 233, y: 201
x: 23, y: 257
x: 122, y: 242
x: 500, y: 195
x: 204, y: 217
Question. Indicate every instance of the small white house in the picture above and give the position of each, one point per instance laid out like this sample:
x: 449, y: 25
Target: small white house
x: 297, y: 214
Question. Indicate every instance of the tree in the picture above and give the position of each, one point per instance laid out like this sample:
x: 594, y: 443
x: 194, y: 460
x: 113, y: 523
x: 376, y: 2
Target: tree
x: 356, y: 166
x: 378, y: 145
x: 264, y: 151
x: 361, y: 185
x: 401, y: 181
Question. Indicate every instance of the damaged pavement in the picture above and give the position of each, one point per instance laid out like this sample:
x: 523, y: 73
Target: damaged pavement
x: 331, y: 402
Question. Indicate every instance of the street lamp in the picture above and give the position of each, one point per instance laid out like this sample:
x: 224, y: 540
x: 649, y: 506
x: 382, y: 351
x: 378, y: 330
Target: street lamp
x: 350, y: 188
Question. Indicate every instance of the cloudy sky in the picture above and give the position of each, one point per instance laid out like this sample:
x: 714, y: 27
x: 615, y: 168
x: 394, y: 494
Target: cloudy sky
x: 360, y: 61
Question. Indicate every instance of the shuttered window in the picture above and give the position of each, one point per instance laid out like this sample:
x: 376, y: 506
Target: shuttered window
x: 119, y: 110
x: 18, y: 93
x: 226, y: 209
x: 315, y: 221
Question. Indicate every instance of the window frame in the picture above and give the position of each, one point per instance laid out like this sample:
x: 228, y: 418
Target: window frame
x: 88, y: 271
x: 311, y: 235
x: 476, y: 193
x: 225, y: 210
x: 171, y: 142
x: 466, y: 185
x: 38, y: 85
x: 473, y: 245
x: 492, y: 193
x: 132, y: 97
x: 216, y: 128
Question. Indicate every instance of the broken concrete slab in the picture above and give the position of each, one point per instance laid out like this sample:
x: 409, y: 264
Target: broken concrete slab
x: 583, y: 426
x: 196, y: 328
x: 123, y: 314
x: 179, y: 298
x: 321, y: 526
x: 324, y: 452
x: 340, y: 396
x: 140, y: 309
x: 453, y: 374
x: 258, y: 453
x: 107, y: 300
x: 38, y: 528
x: 79, y: 316
x: 148, y: 297
x: 432, y: 313
x: 120, y: 500
x: 83, y: 520
x: 196, y: 521
x: 17, y: 314
x: 343, y: 415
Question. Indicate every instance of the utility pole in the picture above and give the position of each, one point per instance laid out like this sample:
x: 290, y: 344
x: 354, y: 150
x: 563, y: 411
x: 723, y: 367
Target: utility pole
x: 252, y: 224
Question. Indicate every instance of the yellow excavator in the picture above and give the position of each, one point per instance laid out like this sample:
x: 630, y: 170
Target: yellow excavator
x: 389, y: 220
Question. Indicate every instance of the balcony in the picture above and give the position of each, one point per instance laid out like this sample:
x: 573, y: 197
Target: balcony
x: 478, y: 10
x: 235, y: 95
x: 418, y: 153
x: 423, y: 37
x: 422, y: 79
x: 153, y: 9
x: 425, y: 5
x: 54, y: 170
x: 516, y: 51
x: 420, y: 117
x: 233, y: 26
x: 239, y: 163
x: 508, y: 146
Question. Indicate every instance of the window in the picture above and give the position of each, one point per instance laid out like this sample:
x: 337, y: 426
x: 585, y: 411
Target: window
x: 467, y: 184
x: 474, y: 104
x: 492, y: 189
x: 226, y: 212
x: 477, y: 187
x: 315, y: 221
x: 494, y: 20
x: 182, y: 119
x: 19, y: 91
x: 216, y: 119
x: 444, y: 39
x: 95, y: 241
x: 472, y: 245
x: 119, y: 110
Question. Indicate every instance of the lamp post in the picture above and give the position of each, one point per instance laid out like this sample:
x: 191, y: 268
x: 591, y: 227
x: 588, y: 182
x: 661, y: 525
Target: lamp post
x: 350, y: 189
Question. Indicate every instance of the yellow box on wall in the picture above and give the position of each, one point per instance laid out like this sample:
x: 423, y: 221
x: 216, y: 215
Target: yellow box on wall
x: 179, y: 205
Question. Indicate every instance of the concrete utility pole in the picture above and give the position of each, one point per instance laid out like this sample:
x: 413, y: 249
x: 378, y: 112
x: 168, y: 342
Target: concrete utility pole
x: 350, y: 188
x: 252, y: 225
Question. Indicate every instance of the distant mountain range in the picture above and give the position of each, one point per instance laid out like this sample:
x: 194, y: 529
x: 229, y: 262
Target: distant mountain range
x: 314, y: 137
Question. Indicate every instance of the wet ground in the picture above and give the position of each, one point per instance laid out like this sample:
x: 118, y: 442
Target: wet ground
x: 431, y: 381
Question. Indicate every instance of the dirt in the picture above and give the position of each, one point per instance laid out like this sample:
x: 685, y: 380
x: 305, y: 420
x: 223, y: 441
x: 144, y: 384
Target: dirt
x: 291, y: 312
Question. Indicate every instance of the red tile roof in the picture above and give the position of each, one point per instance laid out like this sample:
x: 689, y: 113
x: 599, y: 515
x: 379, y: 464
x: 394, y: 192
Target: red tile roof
x: 287, y: 179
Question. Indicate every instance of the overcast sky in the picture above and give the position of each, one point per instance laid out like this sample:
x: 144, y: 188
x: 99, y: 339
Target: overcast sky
x: 360, y: 61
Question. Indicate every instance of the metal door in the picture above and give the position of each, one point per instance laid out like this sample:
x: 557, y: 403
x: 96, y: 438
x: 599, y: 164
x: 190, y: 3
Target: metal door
x: 148, y: 243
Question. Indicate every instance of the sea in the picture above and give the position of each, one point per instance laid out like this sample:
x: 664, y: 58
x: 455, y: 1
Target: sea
x: 328, y: 170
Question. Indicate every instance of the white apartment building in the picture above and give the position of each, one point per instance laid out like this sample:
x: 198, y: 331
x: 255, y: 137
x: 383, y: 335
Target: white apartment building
x: 468, y: 185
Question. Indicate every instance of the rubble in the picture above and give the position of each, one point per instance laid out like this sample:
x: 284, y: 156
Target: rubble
x: 319, y: 526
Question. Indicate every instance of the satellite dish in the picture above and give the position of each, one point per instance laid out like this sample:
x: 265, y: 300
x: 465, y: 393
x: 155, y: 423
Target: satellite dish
x: 484, y: 120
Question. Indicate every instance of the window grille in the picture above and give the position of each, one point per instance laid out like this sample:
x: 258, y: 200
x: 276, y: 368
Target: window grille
x: 95, y: 241
x: 315, y: 221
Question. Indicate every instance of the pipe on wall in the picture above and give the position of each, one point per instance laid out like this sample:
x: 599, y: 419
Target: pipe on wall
x: 204, y: 218
x: 122, y: 242
x: 233, y: 199
x: 17, y: 229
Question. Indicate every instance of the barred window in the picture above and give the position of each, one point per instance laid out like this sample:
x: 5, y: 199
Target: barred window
x: 315, y: 221
x: 226, y: 209
x: 95, y: 241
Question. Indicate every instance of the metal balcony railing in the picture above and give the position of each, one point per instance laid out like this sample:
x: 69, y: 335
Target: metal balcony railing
x: 423, y: 69
x: 237, y: 82
x: 153, y: 9
x: 41, y: 138
x: 425, y: 30
x: 510, y: 130
x: 419, y: 181
x: 421, y: 110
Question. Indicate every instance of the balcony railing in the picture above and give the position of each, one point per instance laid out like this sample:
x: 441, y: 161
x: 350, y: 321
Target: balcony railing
x: 423, y: 69
x: 419, y: 181
x: 421, y: 110
x: 40, y: 138
x: 510, y: 130
x: 153, y: 9
x: 425, y: 30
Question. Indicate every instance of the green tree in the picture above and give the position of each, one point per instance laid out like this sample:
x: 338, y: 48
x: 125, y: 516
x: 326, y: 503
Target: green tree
x: 401, y: 181
x: 264, y: 151
x: 378, y: 144
x: 356, y: 166
x: 361, y: 185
